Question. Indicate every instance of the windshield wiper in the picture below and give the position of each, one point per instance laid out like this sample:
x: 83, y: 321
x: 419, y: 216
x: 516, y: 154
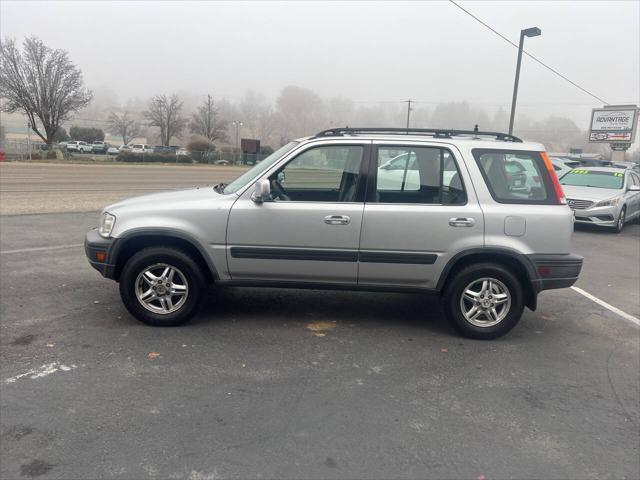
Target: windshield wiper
x: 219, y: 187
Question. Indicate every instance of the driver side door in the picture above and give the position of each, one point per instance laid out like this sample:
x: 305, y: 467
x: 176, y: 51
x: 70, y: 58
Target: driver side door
x: 309, y: 230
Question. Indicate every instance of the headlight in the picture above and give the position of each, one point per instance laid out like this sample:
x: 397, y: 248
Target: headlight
x: 106, y: 224
x: 608, y: 203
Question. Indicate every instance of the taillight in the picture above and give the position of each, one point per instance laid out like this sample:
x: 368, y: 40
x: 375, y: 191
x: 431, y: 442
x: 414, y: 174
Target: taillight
x: 554, y: 179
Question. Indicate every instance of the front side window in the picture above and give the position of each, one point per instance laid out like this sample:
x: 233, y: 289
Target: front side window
x: 322, y: 174
x: 425, y: 175
x: 583, y: 177
x: 264, y: 165
x: 514, y: 176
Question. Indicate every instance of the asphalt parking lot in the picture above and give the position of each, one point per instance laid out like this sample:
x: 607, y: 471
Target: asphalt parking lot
x: 303, y: 384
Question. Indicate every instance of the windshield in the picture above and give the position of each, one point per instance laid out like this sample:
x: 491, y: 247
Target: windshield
x: 249, y: 175
x: 581, y: 177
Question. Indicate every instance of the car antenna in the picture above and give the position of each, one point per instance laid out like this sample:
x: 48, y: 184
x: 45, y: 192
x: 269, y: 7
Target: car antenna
x: 475, y: 130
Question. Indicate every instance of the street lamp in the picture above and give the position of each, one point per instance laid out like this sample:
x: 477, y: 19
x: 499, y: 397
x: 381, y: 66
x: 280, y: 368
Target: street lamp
x: 237, y: 124
x: 527, y: 32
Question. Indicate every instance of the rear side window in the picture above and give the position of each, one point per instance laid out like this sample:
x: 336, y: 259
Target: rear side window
x: 414, y: 174
x: 515, y: 176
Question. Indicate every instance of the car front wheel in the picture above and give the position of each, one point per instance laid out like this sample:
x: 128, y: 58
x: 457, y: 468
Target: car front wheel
x: 162, y: 286
x: 622, y: 218
x: 484, y: 301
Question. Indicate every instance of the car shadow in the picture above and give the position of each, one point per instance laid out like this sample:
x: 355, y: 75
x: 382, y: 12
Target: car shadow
x: 632, y: 228
x: 375, y: 309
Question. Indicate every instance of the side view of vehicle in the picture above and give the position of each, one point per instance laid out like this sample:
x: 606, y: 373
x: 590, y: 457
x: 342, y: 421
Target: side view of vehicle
x: 79, y: 147
x: 604, y: 196
x: 406, y: 210
x: 140, y: 148
x: 99, y: 147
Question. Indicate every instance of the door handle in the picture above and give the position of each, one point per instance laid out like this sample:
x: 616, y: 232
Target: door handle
x: 337, y: 220
x: 462, y: 222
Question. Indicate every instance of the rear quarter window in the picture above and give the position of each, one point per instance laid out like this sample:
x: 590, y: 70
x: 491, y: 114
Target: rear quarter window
x: 514, y: 176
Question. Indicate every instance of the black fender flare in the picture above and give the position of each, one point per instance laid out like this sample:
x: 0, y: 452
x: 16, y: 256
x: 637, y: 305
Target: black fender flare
x: 120, y: 243
x: 523, y: 260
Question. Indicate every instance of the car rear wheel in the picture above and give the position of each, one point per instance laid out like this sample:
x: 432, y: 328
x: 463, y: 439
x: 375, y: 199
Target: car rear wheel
x: 162, y: 286
x: 484, y: 301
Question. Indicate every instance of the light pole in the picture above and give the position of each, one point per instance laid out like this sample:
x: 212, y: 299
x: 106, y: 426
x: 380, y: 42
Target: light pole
x: 527, y: 32
x: 237, y: 124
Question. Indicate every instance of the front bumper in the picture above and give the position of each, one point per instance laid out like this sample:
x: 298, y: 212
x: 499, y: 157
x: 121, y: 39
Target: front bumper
x: 604, y: 216
x: 99, y: 251
x: 555, y: 271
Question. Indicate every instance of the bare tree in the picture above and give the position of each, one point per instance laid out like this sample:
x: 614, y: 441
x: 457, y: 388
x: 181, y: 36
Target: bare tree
x: 207, y: 122
x: 42, y: 83
x: 124, y: 126
x: 258, y: 116
x: 164, y: 113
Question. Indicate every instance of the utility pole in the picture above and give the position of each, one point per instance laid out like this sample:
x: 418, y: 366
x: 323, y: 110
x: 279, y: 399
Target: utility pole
x: 527, y: 32
x: 237, y: 124
x: 408, y: 112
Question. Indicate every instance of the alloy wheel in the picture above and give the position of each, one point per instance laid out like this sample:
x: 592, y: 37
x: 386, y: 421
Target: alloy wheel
x: 161, y: 288
x: 485, y: 302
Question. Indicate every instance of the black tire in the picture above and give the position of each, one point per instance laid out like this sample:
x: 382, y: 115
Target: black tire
x: 462, y: 279
x: 621, y: 220
x: 189, y: 268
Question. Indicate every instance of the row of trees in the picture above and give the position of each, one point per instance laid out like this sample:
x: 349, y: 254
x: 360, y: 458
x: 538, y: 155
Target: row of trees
x: 165, y: 113
x: 48, y: 88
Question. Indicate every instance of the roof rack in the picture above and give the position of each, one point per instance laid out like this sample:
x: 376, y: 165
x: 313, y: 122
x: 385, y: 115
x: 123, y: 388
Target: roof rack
x: 436, y: 133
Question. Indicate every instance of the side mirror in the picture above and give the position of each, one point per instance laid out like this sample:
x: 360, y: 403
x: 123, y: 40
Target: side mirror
x: 634, y: 188
x: 262, y: 191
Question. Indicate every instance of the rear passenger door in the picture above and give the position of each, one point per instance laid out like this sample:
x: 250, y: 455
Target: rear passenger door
x: 415, y: 222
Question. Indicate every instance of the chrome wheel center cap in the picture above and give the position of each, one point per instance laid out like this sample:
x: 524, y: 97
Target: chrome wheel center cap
x: 161, y: 290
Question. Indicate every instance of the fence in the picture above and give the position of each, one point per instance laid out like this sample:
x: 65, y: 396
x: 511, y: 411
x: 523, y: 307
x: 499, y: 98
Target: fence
x: 25, y: 151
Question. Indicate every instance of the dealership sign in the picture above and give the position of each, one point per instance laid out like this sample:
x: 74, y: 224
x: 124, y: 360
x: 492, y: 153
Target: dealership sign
x: 616, y: 123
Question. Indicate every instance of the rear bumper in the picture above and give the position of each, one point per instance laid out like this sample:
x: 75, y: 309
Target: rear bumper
x: 555, y: 271
x: 99, y: 252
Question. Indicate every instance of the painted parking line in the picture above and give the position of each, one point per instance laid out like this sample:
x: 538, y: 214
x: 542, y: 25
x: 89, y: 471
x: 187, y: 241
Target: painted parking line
x: 40, y: 249
x: 604, y: 304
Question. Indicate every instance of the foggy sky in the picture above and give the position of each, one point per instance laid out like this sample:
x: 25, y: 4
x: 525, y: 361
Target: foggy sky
x: 428, y: 51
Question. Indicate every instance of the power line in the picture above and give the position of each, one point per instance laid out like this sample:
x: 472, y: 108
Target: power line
x: 527, y: 53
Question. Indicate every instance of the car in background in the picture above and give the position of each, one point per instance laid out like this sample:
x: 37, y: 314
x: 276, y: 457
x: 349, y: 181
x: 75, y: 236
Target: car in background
x: 99, y: 147
x: 182, y: 152
x: 113, y: 150
x: 79, y: 147
x: 166, y: 150
x: 603, y: 196
x: 563, y: 165
x: 593, y: 162
x: 141, y: 148
x: 625, y: 165
x: 125, y: 148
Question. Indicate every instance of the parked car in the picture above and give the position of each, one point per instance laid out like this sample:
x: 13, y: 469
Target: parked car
x: 182, y: 152
x: 313, y: 215
x: 625, y: 165
x: 563, y: 165
x: 125, y: 148
x: 113, y: 150
x: 79, y: 147
x: 604, y: 196
x: 592, y: 162
x: 163, y: 149
x: 141, y: 148
x: 99, y: 147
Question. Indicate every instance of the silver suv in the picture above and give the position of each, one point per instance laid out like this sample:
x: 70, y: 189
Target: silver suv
x: 424, y: 211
